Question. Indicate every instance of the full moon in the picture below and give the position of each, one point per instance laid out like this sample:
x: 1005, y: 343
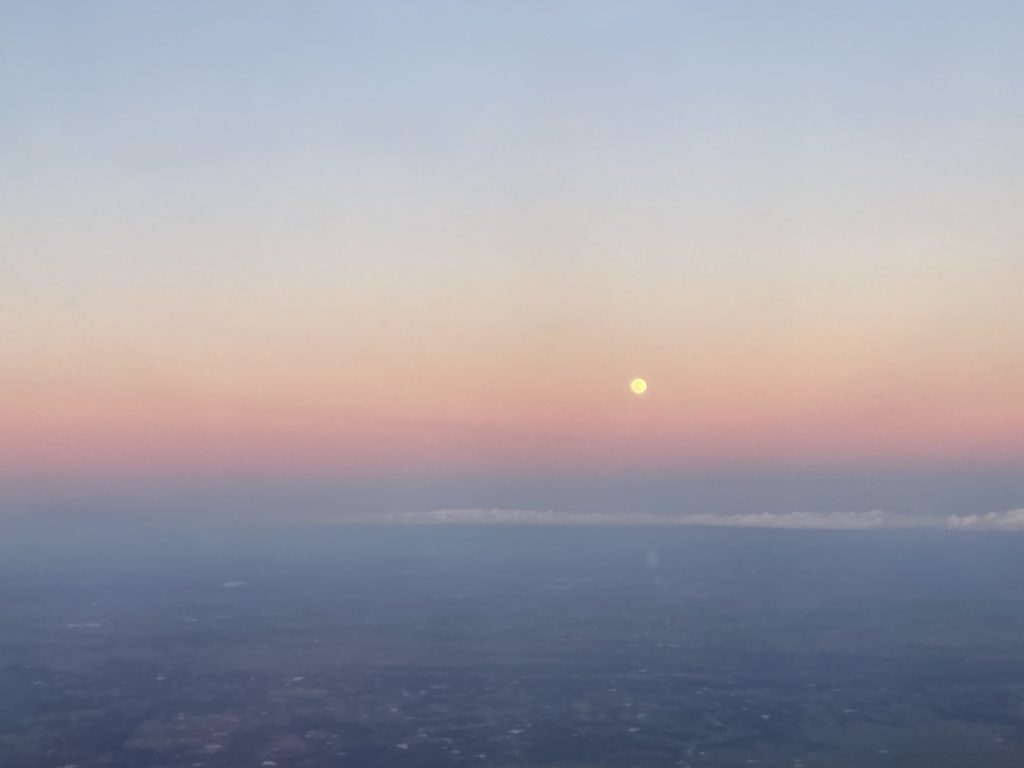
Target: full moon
x: 638, y: 386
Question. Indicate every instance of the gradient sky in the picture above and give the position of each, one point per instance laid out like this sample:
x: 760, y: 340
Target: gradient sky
x: 307, y: 245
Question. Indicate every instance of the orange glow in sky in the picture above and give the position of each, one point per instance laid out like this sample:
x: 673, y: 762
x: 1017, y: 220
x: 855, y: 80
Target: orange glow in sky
x: 459, y: 262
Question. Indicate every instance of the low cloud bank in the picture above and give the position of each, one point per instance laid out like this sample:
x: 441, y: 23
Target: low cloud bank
x: 835, y: 521
x: 803, y: 520
x: 1012, y: 520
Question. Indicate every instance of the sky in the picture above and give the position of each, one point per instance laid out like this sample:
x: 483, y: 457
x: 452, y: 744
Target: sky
x: 387, y: 257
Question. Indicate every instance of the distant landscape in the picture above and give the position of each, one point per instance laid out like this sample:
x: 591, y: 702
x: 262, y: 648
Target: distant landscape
x: 314, y: 646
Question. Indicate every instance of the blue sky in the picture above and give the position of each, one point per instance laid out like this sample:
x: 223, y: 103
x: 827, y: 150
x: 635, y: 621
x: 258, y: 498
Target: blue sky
x: 326, y: 242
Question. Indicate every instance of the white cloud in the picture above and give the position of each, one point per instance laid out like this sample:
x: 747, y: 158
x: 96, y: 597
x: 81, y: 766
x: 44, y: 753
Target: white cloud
x: 1011, y: 520
x: 847, y: 521
x: 837, y: 521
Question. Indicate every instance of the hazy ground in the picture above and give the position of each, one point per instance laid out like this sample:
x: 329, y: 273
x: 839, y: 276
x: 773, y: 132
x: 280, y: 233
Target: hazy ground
x: 126, y: 645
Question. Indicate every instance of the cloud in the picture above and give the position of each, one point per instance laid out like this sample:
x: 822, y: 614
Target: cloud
x: 845, y: 521
x: 1011, y: 520
x: 835, y: 521
x: 870, y: 520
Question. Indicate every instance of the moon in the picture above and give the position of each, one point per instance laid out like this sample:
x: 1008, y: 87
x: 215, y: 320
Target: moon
x: 638, y: 386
